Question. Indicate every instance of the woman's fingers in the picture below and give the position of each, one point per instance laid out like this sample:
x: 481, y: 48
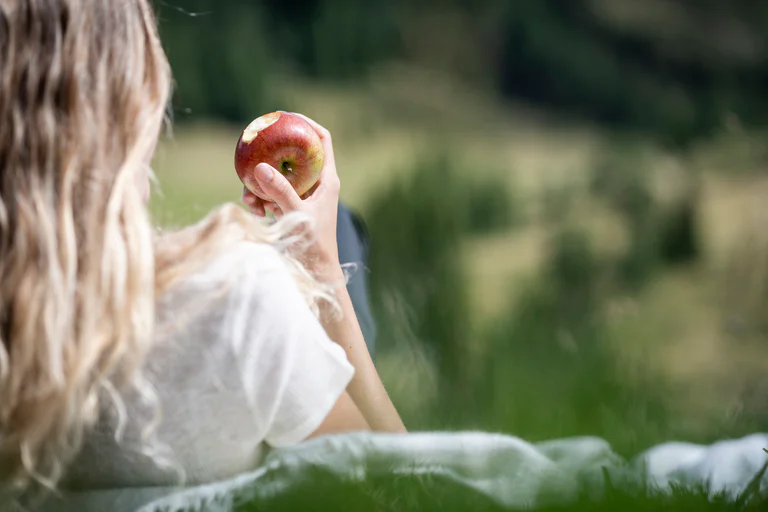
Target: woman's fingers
x: 277, y: 188
x: 248, y: 197
x: 254, y: 204
x: 257, y: 209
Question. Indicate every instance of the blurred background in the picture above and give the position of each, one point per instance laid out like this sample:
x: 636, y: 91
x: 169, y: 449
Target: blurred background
x: 567, y: 199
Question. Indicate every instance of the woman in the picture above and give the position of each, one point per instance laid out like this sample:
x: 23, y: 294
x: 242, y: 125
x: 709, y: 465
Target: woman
x: 130, y: 360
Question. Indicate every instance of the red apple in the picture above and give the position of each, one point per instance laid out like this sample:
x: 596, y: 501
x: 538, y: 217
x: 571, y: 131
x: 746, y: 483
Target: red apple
x: 286, y: 142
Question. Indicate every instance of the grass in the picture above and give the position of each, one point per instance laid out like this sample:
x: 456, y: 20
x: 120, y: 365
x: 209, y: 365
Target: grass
x: 323, y: 492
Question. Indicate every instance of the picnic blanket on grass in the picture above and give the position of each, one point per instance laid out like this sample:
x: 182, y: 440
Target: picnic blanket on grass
x: 504, y: 470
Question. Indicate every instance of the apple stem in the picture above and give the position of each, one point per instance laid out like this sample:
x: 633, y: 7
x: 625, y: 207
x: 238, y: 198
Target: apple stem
x: 286, y: 168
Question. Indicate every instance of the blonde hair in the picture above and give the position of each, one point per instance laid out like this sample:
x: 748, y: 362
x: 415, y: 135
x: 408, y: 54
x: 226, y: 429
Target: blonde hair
x: 85, y: 85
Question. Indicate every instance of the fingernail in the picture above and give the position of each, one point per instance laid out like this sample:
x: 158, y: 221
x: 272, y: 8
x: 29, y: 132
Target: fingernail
x: 264, y: 173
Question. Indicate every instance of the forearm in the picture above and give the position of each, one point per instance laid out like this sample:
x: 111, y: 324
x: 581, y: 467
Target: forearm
x: 366, y: 388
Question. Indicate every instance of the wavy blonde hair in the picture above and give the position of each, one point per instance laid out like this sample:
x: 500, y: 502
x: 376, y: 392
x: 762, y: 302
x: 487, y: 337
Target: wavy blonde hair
x: 85, y: 85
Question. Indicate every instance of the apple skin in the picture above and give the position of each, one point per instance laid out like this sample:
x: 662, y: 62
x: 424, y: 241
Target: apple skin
x: 286, y: 142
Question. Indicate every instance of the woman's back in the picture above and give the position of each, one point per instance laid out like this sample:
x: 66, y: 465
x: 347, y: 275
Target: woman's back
x: 222, y: 381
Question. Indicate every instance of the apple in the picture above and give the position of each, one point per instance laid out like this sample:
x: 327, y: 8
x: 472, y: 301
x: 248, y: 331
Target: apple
x: 286, y: 142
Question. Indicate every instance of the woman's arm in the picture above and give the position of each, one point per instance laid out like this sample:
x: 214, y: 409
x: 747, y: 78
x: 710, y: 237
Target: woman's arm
x: 366, y: 388
x: 344, y: 417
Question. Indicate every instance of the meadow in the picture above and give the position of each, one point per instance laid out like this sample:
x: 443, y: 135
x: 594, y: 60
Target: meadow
x: 534, y: 274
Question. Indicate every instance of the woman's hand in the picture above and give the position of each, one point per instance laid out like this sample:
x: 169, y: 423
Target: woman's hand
x: 321, y: 204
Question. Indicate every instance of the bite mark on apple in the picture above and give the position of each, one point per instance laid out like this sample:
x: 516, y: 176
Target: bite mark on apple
x: 258, y: 124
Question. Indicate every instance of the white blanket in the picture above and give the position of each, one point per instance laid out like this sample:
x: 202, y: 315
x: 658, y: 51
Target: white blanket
x: 508, y: 470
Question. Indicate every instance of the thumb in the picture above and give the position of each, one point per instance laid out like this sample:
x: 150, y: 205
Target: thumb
x: 277, y: 188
